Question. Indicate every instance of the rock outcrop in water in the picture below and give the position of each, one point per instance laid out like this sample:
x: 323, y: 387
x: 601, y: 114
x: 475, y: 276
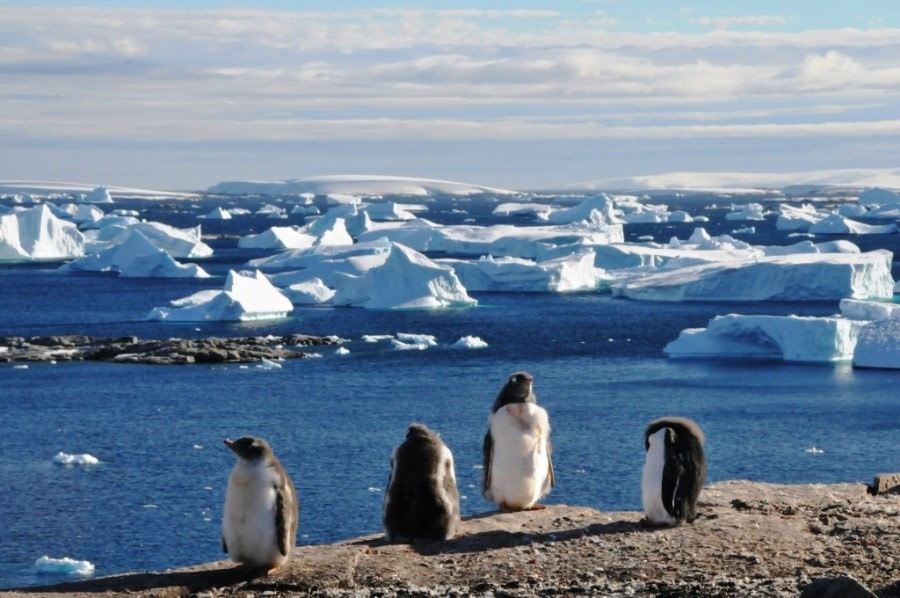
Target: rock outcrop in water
x: 751, y: 539
x: 131, y: 349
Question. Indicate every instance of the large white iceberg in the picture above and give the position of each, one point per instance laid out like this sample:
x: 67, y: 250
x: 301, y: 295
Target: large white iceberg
x: 574, y: 272
x: 244, y: 297
x: 788, y: 338
x: 878, y: 345
x: 37, y: 234
x: 835, y: 224
x: 135, y: 257
x: 278, y: 237
x: 406, y: 280
x: 177, y: 242
x: 794, y: 277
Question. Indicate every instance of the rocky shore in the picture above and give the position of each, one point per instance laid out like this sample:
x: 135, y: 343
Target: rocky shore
x: 131, y: 349
x: 752, y: 539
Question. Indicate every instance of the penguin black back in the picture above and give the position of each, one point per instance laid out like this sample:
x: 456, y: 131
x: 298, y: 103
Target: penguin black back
x: 518, y: 389
x: 684, y: 471
x: 422, y: 500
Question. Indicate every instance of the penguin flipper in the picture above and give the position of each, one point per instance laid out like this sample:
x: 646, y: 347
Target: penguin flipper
x: 281, y: 521
x: 672, y: 476
x: 224, y: 545
x: 689, y: 485
x: 488, y: 453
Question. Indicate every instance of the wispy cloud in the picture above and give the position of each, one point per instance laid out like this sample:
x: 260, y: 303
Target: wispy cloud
x: 255, y: 75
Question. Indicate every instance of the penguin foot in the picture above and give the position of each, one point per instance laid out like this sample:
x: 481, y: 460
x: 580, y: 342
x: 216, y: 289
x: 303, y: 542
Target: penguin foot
x: 647, y: 522
x: 536, y: 507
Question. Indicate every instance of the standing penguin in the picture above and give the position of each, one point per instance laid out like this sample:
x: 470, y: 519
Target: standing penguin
x: 259, y: 527
x: 518, y: 468
x: 674, y: 471
x: 421, y: 501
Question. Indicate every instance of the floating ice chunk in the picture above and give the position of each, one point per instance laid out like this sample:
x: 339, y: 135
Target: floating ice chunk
x: 72, y: 460
x: 573, y: 272
x: 244, y: 297
x: 751, y: 211
x: 856, y: 309
x: 790, y: 338
x: 470, y: 342
x: 878, y: 345
x: 36, y: 233
x: 836, y: 224
x: 99, y: 195
x: 406, y: 280
x: 278, y: 237
x: 268, y: 364
x: 374, y: 338
x: 814, y: 451
x: 342, y: 351
x: 406, y: 341
x: 310, y: 292
x: 218, y: 213
x: 135, y: 257
x: 64, y: 566
x: 796, y: 277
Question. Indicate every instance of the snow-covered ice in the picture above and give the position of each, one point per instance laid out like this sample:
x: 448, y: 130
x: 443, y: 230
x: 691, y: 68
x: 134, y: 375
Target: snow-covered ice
x: 406, y: 280
x: 575, y: 272
x: 788, y: 338
x: 470, y: 342
x: 878, y: 345
x: 77, y: 459
x: 244, y: 297
x: 38, y: 234
x: 135, y: 256
x: 63, y: 566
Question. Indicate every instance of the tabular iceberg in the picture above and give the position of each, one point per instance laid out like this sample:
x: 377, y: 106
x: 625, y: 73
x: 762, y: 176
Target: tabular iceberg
x: 795, y: 277
x: 878, y: 345
x: 244, y: 297
x: 790, y: 338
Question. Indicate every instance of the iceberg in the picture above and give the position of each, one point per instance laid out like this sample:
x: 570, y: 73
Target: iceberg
x: 244, y: 297
x: 177, y: 242
x: 574, y: 272
x: 598, y: 209
x: 37, y: 234
x: 751, y: 211
x: 218, y: 213
x: 878, y: 345
x: 69, y: 460
x: 310, y: 292
x: 788, y: 338
x: 794, y: 277
x: 99, y: 195
x: 63, y: 566
x: 470, y: 342
x: 278, y: 237
x: 406, y: 280
x: 837, y: 225
x: 135, y: 257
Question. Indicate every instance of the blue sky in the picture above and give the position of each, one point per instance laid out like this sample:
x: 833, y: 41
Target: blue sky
x: 519, y: 94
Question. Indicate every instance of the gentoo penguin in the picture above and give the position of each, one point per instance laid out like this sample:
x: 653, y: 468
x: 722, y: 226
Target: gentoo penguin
x: 674, y: 471
x: 518, y: 468
x: 421, y: 501
x: 259, y: 527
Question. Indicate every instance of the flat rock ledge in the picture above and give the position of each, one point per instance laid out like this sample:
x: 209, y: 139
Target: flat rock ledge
x: 752, y: 539
x: 131, y: 349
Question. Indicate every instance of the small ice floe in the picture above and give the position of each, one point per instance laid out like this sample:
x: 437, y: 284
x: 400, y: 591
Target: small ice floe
x: 198, y: 446
x: 23, y: 366
x: 814, y: 451
x: 72, y: 460
x: 470, y: 342
x: 407, y: 341
x: 374, y: 489
x: 64, y: 566
x: 374, y: 338
x: 479, y: 466
x: 342, y: 351
x: 268, y: 364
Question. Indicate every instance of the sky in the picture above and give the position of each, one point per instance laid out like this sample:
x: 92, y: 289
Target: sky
x: 521, y: 95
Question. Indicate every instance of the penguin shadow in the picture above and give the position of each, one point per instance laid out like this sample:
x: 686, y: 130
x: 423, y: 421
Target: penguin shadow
x: 487, y: 540
x: 193, y: 581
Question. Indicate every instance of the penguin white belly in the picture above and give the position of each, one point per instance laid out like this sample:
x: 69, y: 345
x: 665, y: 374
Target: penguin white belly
x: 651, y: 484
x: 520, y: 461
x: 249, y: 523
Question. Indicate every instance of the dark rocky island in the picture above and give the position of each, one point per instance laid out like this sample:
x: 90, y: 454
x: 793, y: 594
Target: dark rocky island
x: 752, y: 539
x: 131, y: 349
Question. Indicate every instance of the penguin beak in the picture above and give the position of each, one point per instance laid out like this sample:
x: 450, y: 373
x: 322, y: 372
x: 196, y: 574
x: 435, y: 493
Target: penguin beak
x: 229, y: 443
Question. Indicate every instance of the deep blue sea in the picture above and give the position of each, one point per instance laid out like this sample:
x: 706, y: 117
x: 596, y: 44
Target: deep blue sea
x: 154, y: 501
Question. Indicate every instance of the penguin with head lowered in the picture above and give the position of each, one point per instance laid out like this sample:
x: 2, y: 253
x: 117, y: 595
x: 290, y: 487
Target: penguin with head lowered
x: 421, y: 501
x: 674, y: 471
x: 518, y: 466
x: 259, y: 527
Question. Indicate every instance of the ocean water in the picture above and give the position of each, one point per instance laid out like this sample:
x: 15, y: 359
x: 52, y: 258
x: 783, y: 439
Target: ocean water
x: 154, y: 501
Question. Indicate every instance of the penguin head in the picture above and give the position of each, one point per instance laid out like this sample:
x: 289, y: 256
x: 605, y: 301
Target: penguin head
x: 518, y: 388
x: 249, y: 447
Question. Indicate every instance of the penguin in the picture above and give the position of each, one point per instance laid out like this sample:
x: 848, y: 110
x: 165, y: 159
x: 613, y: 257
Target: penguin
x: 674, y: 471
x: 421, y: 501
x: 518, y: 465
x: 259, y: 527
